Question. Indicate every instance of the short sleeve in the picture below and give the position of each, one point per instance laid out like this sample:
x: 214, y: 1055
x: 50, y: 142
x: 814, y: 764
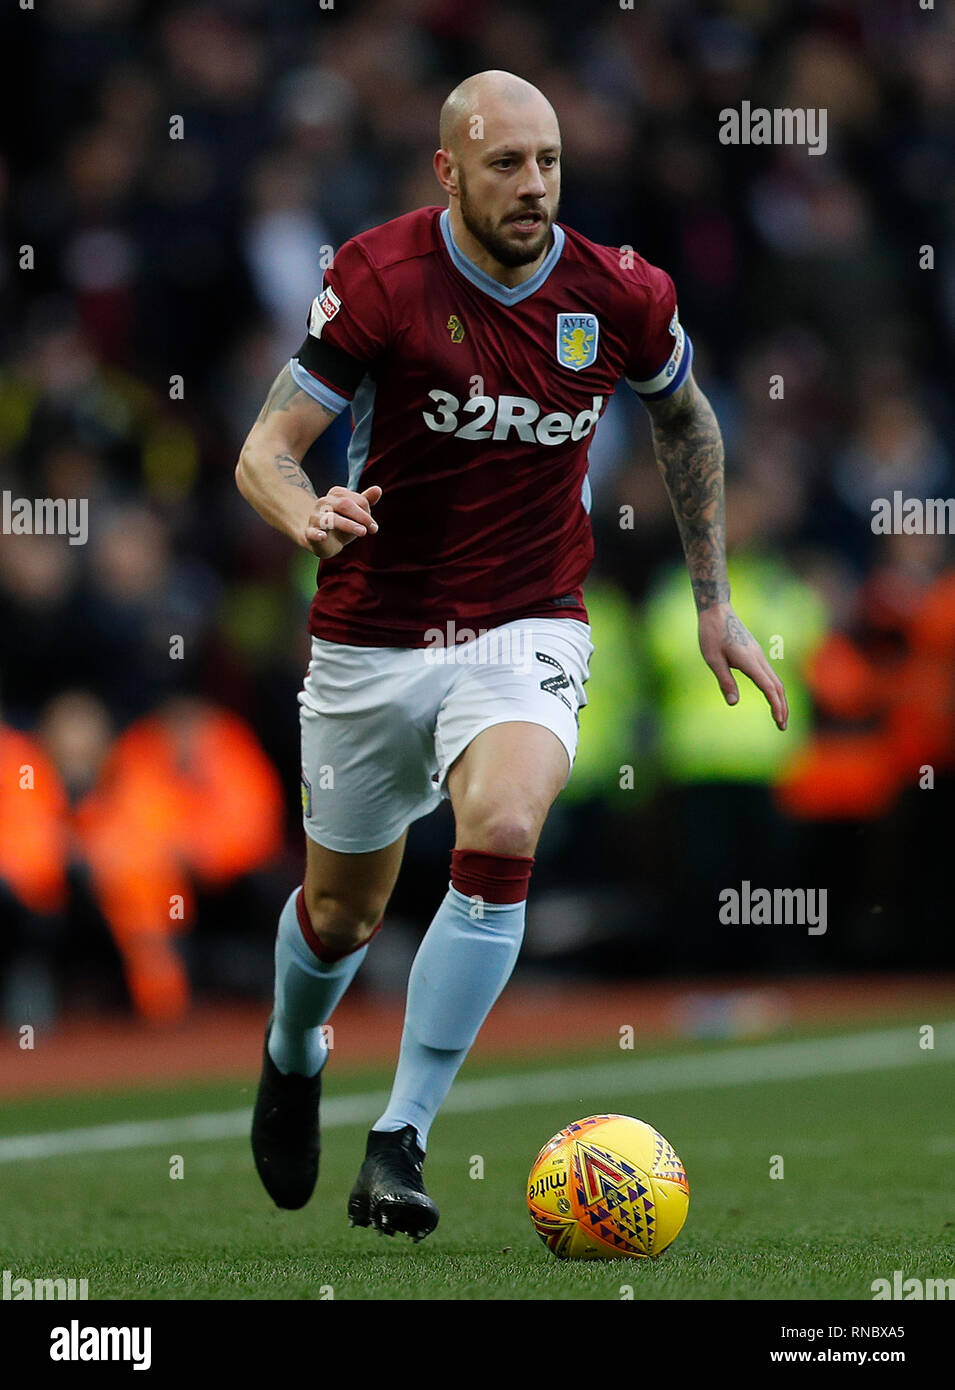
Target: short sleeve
x: 662, y: 352
x: 348, y: 330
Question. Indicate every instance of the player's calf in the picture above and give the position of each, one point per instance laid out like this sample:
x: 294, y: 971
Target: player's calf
x: 310, y: 979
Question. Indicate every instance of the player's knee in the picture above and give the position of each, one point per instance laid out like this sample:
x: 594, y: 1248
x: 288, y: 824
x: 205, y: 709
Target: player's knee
x: 512, y: 830
x: 342, y: 924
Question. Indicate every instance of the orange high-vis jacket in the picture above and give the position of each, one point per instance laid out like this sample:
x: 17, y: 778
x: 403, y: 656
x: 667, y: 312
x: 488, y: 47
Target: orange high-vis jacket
x: 843, y: 773
x: 33, y: 824
x: 184, y: 799
x: 932, y: 683
x: 906, y: 705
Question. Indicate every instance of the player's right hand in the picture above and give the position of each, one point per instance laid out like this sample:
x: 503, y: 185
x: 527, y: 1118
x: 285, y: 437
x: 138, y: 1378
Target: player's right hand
x: 339, y: 517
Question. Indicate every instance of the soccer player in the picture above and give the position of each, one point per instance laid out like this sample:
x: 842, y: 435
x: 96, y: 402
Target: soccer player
x: 477, y: 346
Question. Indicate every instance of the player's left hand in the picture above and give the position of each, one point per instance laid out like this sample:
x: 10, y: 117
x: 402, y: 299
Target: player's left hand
x: 725, y: 643
x: 340, y: 517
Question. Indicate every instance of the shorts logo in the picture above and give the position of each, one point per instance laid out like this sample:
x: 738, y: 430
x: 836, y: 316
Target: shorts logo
x: 577, y: 336
x: 555, y: 684
x: 674, y: 324
x: 306, y: 797
x: 324, y: 308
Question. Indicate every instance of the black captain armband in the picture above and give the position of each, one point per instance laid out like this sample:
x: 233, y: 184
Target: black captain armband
x: 333, y: 365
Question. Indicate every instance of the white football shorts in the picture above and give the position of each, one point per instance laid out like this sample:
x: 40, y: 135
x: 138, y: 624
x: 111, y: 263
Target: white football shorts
x: 382, y: 726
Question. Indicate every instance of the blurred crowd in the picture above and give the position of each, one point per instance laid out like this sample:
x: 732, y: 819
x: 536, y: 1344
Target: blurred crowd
x: 177, y: 180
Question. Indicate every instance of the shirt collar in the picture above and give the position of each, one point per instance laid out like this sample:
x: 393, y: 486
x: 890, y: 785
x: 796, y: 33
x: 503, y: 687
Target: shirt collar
x: 480, y: 278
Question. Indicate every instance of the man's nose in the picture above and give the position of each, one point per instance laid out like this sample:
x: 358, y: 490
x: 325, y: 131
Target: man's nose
x: 532, y: 184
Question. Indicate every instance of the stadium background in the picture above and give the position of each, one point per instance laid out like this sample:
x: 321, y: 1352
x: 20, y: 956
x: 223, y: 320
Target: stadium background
x: 170, y: 281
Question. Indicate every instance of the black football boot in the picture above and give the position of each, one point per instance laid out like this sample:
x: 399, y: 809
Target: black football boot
x: 389, y: 1193
x: 285, y: 1135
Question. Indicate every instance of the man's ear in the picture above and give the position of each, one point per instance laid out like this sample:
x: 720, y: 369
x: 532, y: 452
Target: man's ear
x: 445, y: 171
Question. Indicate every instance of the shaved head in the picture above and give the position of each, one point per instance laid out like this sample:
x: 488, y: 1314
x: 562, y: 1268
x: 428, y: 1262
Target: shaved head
x: 499, y: 163
x: 482, y: 94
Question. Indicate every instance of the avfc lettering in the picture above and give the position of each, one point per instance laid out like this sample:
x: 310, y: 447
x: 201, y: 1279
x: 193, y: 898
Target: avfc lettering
x: 495, y: 417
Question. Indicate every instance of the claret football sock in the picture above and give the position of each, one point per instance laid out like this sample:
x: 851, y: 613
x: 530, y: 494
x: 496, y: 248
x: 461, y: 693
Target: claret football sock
x: 307, y: 989
x: 461, y: 967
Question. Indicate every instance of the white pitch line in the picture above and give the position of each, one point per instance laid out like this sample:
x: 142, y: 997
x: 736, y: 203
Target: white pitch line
x: 585, y: 1087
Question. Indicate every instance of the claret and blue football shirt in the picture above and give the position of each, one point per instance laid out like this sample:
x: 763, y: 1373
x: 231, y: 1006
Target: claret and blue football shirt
x: 473, y: 406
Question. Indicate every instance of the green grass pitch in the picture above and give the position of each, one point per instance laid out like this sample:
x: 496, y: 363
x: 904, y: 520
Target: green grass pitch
x: 867, y: 1189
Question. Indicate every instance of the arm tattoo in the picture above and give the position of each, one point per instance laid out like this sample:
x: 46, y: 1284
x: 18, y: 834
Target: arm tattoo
x: 283, y: 391
x: 689, y: 452
x: 292, y: 471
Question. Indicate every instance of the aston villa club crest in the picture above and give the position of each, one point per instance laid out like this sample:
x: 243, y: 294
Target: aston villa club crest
x: 577, y: 340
